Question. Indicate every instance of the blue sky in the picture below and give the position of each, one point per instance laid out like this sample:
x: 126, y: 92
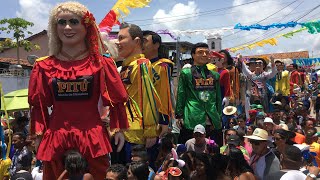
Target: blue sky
x: 196, y: 15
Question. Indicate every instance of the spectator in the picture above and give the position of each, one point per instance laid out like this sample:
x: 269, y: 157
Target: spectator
x: 76, y: 167
x: 291, y: 161
x: 282, y: 138
x: 22, y: 175
x: 238, y: 167
x: 138, y: 171
x: 204, y: 169
x: 117, y: 172
x: 234, y: 141
x: 311, y: 140
x: 227, y: 133
x: 264, y: 161
x: 199, y: 142
x: 37, y: 172
x: 22, y: 157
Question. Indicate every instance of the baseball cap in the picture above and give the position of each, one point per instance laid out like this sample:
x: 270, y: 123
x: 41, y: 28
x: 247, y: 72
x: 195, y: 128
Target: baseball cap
x: 234, y: 140
x: 199, y: 128
x: 277, y: 103
x: 268, y: 120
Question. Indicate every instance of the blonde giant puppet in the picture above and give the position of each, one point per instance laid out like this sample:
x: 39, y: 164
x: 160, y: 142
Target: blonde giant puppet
x: 72, y: 80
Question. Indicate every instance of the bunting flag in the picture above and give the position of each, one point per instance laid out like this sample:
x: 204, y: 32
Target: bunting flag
x: 290, y: 34
x: 166, y: 32
x: 119, y: 11
x: 313, y: 27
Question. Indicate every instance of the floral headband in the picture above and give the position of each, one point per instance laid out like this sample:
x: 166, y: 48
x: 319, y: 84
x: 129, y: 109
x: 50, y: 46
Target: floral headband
x: 88, y: 19
x: 174, y: 171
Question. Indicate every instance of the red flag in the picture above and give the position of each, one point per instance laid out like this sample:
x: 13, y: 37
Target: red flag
x: 108, y: 22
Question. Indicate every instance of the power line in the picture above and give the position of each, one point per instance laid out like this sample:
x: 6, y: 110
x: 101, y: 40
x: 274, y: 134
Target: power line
x: 278, y: 22
x: 264, y: 18
x: 271, y: 34
x: 202, y: 12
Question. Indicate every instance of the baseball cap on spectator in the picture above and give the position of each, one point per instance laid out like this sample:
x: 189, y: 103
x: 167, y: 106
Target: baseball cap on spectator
x: 253, y: 106
x: 215, y: 54
x: 252, y: 112
x: 293, y: 153
x: 277, y: 103
x: 234, y: 140
x: 22, y: 175
x: 268, y: 120
x: 181, y: 148
x: 200, y: 129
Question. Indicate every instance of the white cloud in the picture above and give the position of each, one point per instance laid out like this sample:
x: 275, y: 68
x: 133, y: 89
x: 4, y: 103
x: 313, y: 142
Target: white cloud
x: 36, y: 11
x: 170, y: 20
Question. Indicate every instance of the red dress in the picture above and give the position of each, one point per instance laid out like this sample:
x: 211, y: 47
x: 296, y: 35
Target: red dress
x: 73, y: 89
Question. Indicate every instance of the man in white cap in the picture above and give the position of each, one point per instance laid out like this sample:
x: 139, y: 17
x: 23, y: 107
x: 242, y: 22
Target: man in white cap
x: 199, y: 141
x: 264, y: 161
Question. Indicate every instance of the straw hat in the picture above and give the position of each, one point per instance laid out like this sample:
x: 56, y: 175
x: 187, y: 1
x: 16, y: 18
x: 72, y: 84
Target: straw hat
x: 229, y: 110
x: 284, y: 131
x: 258, y: 134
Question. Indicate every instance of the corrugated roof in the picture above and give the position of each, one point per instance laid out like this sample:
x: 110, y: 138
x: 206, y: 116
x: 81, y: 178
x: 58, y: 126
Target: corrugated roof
x: 23, y: 62
x: 287, y: 55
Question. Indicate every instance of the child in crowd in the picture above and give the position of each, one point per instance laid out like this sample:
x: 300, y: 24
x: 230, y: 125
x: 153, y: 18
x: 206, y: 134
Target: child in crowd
x: 75, y: 167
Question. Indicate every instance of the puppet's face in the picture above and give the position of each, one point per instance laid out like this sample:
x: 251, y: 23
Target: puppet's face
x: 149, y: 48
x: 126, y: 44
x: 218, y: 62
x: 200, y: 56
x: 70, y: 29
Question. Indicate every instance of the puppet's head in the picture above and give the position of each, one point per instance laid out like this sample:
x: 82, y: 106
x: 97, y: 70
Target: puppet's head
x: 217, y: 59
x: 82, y: 17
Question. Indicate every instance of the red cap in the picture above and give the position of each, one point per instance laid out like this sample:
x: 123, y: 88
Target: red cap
x: 252, y: 111
x: 215, y: 54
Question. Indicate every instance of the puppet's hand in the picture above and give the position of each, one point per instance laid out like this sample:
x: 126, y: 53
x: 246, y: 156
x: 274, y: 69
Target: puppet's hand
x: 37, y: 142
x: 119, y: 140
x: 164, y: 129
x: 225, y: 101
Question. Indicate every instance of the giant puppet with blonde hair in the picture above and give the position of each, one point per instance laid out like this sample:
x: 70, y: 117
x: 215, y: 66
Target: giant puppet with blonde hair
x: 72, y: 80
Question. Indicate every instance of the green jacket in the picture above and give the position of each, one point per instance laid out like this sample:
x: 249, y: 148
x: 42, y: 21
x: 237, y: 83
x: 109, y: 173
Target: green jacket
x: 198, y: 97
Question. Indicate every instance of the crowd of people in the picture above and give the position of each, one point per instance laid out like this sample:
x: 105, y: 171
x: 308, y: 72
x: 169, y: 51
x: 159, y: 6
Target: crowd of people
x: 111, y: 110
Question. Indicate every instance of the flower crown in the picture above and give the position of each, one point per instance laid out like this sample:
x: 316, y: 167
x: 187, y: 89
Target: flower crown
x: 88, y: 19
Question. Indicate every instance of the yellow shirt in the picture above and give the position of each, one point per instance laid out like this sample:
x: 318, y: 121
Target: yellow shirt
x: 283, y: 85
x: 161, y: 81
x: 315, y: 147
x: 136, y: 74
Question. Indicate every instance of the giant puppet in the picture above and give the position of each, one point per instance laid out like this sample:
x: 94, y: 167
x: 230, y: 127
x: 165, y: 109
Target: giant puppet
x: 71, y: 80
x: 198, y: 96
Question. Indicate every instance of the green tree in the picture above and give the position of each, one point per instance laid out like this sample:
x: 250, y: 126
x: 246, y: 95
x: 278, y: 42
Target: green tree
x: 19, y: 28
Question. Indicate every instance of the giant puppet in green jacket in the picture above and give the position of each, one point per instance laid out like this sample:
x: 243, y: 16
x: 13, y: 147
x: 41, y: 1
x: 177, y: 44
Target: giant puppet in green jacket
x: 199, y: 97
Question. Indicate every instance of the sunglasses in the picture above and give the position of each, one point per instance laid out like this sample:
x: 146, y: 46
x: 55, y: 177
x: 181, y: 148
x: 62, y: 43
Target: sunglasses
x: 72, y: 22
x: 232, y: 122
x: 229, y: 134
x: 277, y: 139
x: 197, y: 134
x: 255, y: 142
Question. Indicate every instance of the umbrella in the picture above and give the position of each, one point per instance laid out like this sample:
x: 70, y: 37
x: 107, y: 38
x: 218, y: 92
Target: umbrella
x: 16, y: 100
